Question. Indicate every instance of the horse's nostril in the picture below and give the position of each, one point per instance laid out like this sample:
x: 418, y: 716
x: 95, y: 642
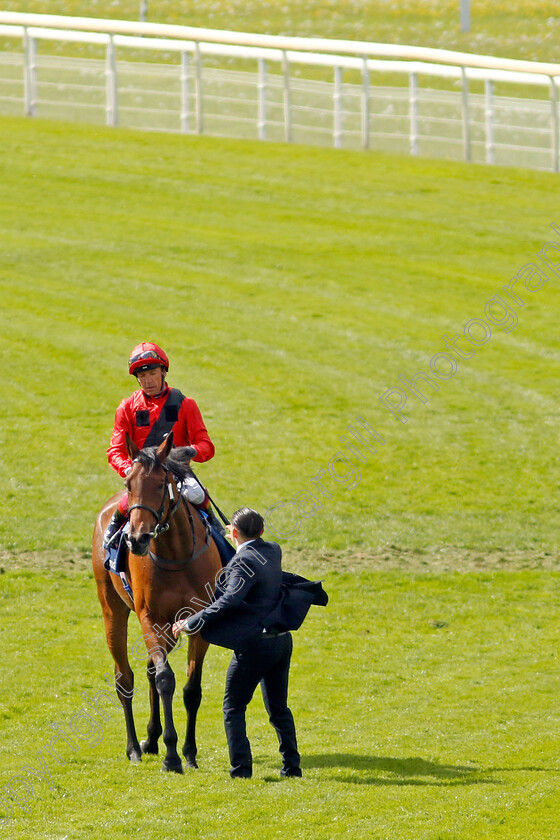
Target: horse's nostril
x: 139, y: 544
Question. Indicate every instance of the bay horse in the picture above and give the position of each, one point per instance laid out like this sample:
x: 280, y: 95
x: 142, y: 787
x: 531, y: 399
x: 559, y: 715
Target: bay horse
x: 172, y: 566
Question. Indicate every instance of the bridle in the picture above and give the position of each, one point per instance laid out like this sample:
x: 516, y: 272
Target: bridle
x: 162, y: 521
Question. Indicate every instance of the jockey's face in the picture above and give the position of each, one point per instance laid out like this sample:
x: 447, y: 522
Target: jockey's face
x: 152, y: 381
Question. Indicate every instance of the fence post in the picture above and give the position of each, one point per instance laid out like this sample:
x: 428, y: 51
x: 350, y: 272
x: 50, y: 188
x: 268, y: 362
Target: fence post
x: 555, y: 137
x: 465, y: 16
x: 199, y: 89
x: 185, y: 93
x: 413, y: 112
x: 262, y: 99
x: 365, y: 103
x: 287, y: 98
x: 337, y: 97
x: 29, y: 73
x: 489, y: 119
x: 112, y: 105
x: 466, y: 116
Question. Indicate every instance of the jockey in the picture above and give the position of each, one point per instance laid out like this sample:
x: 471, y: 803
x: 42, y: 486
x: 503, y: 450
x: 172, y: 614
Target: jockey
x: 148, y: 415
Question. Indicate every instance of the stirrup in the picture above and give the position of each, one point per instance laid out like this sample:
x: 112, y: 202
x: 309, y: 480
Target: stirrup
x: 113, y: 529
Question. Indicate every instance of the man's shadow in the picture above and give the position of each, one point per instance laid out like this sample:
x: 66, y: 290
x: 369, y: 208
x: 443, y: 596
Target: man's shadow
x: 381, y: 770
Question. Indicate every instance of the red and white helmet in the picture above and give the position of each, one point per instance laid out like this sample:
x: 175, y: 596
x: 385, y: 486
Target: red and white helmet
x: 145, y: 356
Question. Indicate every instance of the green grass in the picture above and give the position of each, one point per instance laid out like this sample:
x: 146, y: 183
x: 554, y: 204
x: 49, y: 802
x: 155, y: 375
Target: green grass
x: 527, y: 29
x: 426, y: 707
x: 291, y: 288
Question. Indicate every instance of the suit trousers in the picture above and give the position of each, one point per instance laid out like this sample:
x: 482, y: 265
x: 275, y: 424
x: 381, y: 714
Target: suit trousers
x: 264, y: 660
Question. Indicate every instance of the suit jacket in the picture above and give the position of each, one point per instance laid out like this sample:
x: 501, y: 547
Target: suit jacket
x: 297, y: 594
x: 254, y: 595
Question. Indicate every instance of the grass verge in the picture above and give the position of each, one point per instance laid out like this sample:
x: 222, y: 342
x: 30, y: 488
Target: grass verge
x: 292, y: 288
x: 425, y: 704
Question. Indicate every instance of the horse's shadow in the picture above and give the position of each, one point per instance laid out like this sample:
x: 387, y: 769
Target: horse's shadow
x: 381, y: 770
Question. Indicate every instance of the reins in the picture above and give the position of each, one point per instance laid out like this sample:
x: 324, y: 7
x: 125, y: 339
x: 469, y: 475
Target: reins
x: 222, y: 516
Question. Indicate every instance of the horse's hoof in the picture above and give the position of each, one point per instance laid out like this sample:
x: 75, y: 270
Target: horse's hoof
x: 191, y: 763
x: 172, y: 766
x: 134, y: 757
x: 149, y: 749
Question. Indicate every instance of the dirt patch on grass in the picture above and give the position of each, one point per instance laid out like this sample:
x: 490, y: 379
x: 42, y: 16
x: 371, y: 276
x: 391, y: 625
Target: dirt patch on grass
x: 307, y: 561
x: 417, y: 561
x: 67, y: 559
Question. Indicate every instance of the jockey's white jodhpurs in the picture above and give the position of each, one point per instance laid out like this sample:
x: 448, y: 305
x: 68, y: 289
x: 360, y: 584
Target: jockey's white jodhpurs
x: 192, y: 491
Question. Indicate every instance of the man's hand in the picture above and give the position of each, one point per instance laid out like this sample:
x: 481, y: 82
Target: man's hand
x: 179, y: 626
x: 190, y: 625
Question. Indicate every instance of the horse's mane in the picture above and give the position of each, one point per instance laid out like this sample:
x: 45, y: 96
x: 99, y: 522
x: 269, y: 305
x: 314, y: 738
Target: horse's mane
x: 177, y: 460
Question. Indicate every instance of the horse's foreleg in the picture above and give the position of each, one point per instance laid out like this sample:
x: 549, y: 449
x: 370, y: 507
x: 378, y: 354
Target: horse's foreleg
x: 115, y: 615
x: 165, y: 685
x: 159, y: 671
x: 150, y: 745
x: 192, y: 695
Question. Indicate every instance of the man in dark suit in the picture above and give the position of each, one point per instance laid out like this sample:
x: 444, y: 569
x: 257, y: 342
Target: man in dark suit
x: 250, y: 590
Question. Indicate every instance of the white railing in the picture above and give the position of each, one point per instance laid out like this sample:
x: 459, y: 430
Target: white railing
x: 291, y: 99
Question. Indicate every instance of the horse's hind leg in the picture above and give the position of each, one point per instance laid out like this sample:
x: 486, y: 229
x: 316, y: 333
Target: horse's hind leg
x: 150, y: 745
x: 192, y: 695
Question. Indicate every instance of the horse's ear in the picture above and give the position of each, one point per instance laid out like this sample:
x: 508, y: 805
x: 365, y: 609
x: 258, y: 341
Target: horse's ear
x: 165, y: 448
x: 131, y: 448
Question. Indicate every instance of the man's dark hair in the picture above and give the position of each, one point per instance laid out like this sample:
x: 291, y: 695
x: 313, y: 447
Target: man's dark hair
x: 248, y: 522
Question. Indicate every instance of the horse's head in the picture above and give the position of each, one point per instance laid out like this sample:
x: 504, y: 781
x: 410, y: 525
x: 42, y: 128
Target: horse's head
x: 150, y: 492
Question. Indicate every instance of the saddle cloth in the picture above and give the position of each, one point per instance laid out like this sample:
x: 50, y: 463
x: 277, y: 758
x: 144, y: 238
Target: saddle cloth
x: 115, y: 559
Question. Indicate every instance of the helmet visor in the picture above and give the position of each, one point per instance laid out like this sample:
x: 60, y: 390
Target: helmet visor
x: 147, y: 354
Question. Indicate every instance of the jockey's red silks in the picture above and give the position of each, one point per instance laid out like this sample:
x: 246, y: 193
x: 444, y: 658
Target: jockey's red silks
x: 123, y: 505
x: 138, y: 413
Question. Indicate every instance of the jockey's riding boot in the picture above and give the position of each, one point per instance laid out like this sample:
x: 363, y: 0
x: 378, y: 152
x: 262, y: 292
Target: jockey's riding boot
x: 115, y: 524
x: 215, y: 522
